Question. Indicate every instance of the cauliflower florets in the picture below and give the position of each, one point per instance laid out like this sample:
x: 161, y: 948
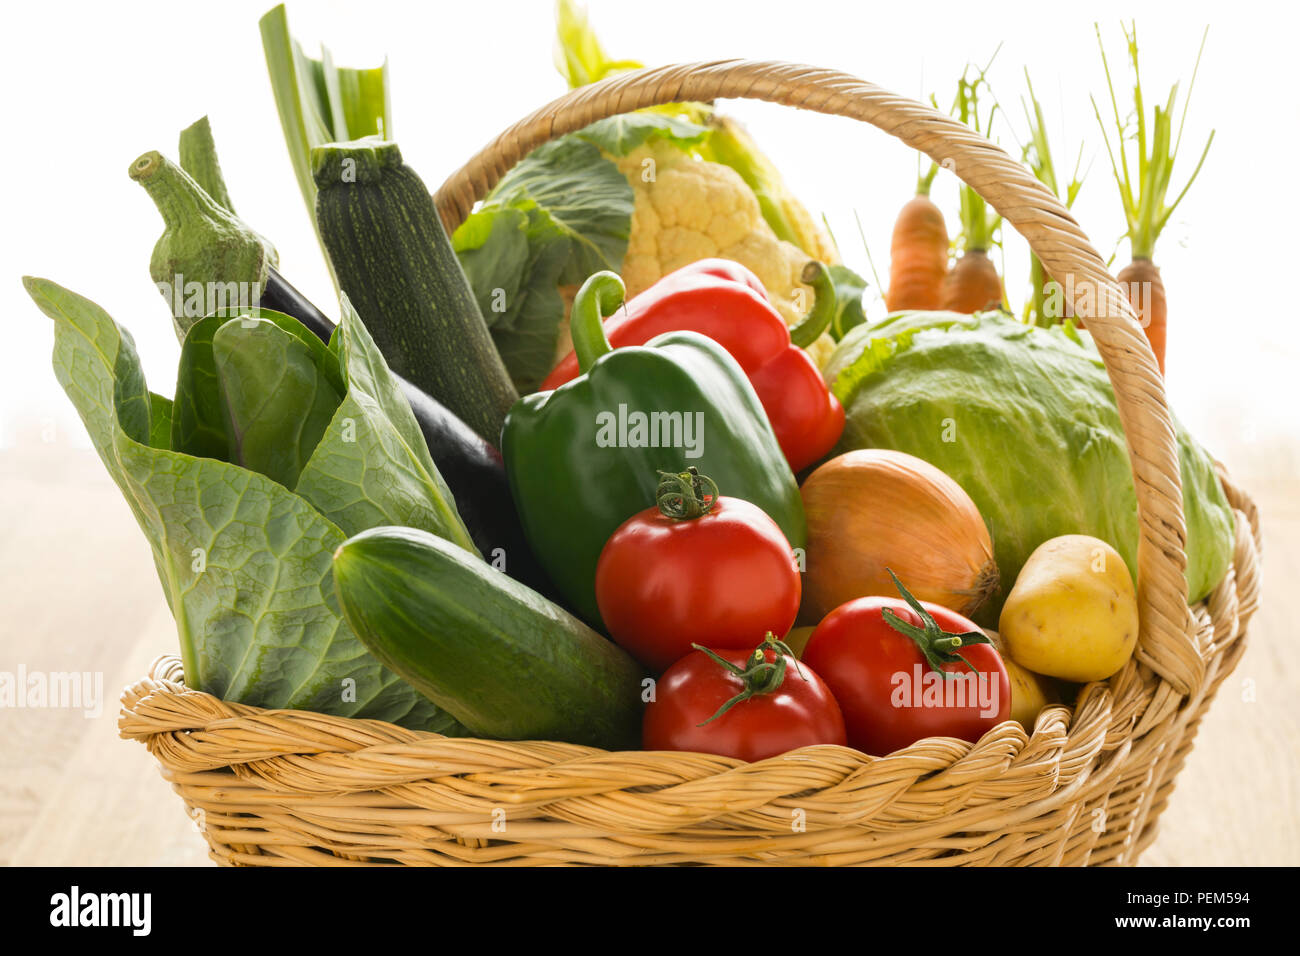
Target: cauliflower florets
x: 686, y: 209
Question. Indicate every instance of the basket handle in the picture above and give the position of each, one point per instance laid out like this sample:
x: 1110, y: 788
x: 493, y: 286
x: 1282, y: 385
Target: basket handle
x: 1165, y: 642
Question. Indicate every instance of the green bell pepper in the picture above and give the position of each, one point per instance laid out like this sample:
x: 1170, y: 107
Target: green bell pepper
x: 585, y: 457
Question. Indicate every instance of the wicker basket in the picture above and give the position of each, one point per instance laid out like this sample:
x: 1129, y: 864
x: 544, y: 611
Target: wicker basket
x: 1086, y: 787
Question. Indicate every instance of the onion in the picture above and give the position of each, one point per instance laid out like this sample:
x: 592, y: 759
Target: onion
x: 874, y: 509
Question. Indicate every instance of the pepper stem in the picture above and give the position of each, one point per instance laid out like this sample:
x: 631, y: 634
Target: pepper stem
x: 819, y: 317
x: 938, y: 646
x: 685, y: 495
x: 600, y: 295
x: 759, y: 675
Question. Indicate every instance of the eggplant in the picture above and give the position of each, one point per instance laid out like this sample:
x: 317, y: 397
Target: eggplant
x: 471, y: 466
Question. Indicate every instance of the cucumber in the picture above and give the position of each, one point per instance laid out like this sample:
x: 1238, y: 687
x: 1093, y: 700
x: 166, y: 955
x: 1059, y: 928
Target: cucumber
x: 392, y: 257
x: 496, y: 655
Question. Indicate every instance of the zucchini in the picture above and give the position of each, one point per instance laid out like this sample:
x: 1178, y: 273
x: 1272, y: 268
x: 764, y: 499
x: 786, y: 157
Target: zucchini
x: 392, y: 257
x: 496, y: 655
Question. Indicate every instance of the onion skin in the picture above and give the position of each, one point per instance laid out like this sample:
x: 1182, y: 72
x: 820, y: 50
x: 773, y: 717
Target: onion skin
x: 873, y: 509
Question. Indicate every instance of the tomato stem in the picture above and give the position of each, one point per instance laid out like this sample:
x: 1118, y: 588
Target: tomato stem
x: 759, y: 675
x: 938, y: 646
x: 684, y: 495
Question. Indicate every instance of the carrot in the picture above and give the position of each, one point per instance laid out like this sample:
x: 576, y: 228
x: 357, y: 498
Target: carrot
x: 1140, y: 280
x: 1142, y: 191
x: 973, y: 283
x: 918, y: 252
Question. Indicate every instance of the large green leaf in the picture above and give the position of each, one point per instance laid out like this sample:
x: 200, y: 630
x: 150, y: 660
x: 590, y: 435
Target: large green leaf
x: 277, y: 401
x: 160, y: 421
x: 199, y: 420
x: 198, y: 426
x: 584, y: 194
x: 619, y: 135
x: 372, y: 466
x: 513, y: 257
x: 561, y: 214
x: 244, y: 562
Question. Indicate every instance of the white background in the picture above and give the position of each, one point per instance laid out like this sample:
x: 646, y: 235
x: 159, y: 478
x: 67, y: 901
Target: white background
x: 92, y: 85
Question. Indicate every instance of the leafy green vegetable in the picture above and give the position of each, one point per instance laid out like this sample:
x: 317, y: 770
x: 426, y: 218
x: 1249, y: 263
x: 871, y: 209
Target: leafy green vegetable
x: 849, y: 289
x: 513, y: 257
x: 584, y: 195
x: 277, y: 401
x: 619, y: 135
x: 560, y: 215
x: 1024, y: 419
x: 199, y: 422
x: 160, y: 421
x: 372, y: 466
x: 245, y: 563
x: 563, y: 213
x: 197, y: 426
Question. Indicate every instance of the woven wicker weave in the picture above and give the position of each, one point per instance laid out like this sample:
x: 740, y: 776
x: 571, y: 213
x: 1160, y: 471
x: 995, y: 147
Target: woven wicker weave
x: 1086, y: 787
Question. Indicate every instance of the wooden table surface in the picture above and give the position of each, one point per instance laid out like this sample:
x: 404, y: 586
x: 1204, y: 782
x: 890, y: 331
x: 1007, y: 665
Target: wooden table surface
x: 80, y: 593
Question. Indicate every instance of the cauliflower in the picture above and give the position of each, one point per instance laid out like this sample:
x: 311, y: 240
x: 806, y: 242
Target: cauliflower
x: 686, y: 209
x: 717, y: 195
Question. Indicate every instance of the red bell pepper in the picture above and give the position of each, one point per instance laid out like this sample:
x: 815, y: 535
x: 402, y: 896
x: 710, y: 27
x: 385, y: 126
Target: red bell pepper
x: 725, y: 301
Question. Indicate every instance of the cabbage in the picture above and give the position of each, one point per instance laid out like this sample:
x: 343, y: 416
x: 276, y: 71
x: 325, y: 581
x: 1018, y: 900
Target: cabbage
x: 1024, y: 419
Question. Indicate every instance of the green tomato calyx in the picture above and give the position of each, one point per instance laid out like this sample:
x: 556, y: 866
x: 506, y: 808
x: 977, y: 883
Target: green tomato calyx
x: 759, y: 675
x: 686, y: 494
x: 938, y: 646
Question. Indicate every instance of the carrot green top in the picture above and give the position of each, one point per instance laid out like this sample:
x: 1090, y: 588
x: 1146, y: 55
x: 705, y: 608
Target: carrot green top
x: 979, y: 224
x: 1143, y: 189
x: 1037, y: 155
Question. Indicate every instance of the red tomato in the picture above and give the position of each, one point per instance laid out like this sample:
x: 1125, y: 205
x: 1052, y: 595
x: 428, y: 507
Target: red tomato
x: 723, y: 579
x: 798, y: 712
x: 889, y: 693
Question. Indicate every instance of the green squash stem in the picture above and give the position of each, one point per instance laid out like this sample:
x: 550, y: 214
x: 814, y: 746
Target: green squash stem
x: 203, y: 245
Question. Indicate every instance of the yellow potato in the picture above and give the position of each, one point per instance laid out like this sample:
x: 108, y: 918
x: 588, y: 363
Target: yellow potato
x: 1073, y: 611
x: 1030, y: 692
